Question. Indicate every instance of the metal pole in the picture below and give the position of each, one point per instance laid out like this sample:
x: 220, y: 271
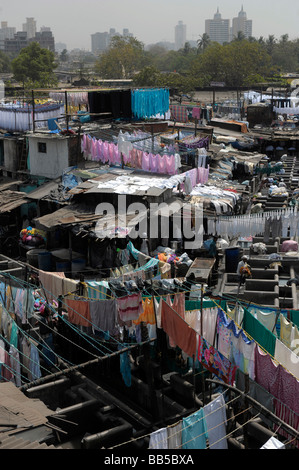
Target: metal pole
x: 33, y: 112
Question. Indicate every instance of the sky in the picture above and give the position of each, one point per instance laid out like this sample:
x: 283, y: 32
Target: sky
x: 73, y: 21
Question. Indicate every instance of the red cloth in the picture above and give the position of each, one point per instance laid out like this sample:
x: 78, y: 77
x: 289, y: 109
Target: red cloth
x: 78, y: 312
x: 178, y: 330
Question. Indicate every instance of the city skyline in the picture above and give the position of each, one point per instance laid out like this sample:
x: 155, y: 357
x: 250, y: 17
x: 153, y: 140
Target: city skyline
x: 150, y: 21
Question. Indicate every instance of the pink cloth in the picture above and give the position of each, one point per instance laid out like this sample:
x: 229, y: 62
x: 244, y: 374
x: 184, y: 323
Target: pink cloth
x: 170, y: 164
x: 139, y: 159
x: 196, y: 113
x: 145, y: 162
x: 105, y: 149
x: 289, y: 245
x: 111, y: 153
x: 100, y: 156
x: 203, y: 175
x: 161, y: 164
x: 153, y: 163
x: 94, y: 148
x: 179, y: 304
x: 133, y: 158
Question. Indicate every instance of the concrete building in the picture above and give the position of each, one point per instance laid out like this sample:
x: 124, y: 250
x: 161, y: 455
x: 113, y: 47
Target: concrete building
x: 16, y: 44
x: 100, y: 41
x: 30, y: 27
x: 6, y: 32
x: 45, y: 39
x: 50, y: 155
x: 180, y: 34
x: 218, y: 29
x: 242, y: 24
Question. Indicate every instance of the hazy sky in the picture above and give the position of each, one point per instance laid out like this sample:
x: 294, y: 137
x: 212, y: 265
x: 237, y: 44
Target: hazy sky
x: 73, y: 21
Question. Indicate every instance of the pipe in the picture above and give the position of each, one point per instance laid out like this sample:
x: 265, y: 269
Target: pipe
x: 259, y: 432
x: 234, y: 444
x: 70, y: 369
x: 123, y: 432
x: 77, y: 413
x: 35, y: 392
x: 109, y: 399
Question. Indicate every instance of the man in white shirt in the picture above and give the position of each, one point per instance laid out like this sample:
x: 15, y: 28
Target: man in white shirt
x: 240, y: 267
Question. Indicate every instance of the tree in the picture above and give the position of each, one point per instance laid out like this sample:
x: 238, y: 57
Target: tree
x: 123, y: 59
x: 5, y: 65
x: 64, y: 56
x: 35, y: 66
x: 209, y: 65
x: 203, y: 42
x: 237, y: 64
x: 148, y: 76
x: 240, y: 36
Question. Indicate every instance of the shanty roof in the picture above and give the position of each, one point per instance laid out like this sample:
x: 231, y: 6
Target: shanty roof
x: 19, y: 414
x: 80, y: 214
x: 44, y: 190
x: 10, y: 200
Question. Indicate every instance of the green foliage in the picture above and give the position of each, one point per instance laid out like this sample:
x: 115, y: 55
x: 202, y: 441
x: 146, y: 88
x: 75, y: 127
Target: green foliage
x: 123, y: 59
x: 242, y: 62
x: 34, y: 67
x: 237, y: 64
x: 64, y: 56
x: 5, y: 65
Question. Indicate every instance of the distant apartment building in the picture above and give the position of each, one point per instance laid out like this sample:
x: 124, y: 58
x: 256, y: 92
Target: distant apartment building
x: 100, y: 41
x: 6, y: 32
x: 242, y: 24
x: 45, y: 39
x: 218, y: 29
x: 20, y: 40
x: 30, y: 27
x: 180, y: 35
x: 16, y: 44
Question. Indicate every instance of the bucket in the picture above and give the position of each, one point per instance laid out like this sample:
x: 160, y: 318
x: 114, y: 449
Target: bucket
x: 78, y: 265
x: 231, y: 259
x: 45, y: 261
x: 63, y: 266
x: 32, y: 256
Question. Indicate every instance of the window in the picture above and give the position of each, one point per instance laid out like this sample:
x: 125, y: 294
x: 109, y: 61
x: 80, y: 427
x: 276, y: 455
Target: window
x: 42, y: 147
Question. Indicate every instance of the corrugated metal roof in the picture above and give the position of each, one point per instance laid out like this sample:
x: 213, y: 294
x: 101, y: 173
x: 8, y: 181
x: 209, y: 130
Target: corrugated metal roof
x: 10, y: 200
x: 19, y: 413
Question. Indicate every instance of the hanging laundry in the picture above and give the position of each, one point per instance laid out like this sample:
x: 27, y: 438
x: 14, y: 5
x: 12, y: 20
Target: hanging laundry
x: 215, y: 415
x: 148, y: 315
x: 147, y: 103
x: 174, y: 436
x: 103, y: 315
x: 273, y: 444
x: 78, y: 312
x: 159, y: 439
x: 130, y: 307
x: 259, y: 332
x: 125, y: 367
x: 194, y: 431
x: 178, y: 330
x: 287, y: 358
x: 34, y: 366
x: 215, y: 362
